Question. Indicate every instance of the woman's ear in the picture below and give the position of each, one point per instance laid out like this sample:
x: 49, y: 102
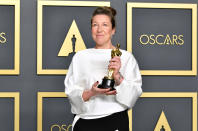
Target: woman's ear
x: 113, y: 31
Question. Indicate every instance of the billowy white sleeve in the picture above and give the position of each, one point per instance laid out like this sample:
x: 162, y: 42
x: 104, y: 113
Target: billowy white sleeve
x: 130, y: 88
x: 74, y: 91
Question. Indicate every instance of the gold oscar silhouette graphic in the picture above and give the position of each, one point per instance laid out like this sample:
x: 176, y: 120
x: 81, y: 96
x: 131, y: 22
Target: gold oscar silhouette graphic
x: 108, y: 81
x: 162, y: 124
x: 73, y: 41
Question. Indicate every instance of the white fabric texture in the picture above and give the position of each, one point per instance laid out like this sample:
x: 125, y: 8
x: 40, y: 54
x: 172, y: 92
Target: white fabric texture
x: 91, y: 65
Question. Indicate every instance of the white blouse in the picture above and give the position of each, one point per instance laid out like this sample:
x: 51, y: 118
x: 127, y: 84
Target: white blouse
x: 91, y: 65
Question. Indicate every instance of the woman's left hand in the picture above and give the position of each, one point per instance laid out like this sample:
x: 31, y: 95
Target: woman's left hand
x: 115, y: 64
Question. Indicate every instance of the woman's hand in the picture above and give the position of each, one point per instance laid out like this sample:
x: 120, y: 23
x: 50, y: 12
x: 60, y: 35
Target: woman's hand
x: 87, y: 94
x: 115, y: 64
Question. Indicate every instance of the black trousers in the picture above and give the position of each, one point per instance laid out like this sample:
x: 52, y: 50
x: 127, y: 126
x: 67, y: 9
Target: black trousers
x: 117, y: 121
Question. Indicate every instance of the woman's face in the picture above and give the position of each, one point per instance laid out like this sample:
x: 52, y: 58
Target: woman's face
x: 102, y: 30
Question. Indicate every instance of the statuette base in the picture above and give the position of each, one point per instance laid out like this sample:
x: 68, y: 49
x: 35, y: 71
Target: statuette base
x: 107, y: 83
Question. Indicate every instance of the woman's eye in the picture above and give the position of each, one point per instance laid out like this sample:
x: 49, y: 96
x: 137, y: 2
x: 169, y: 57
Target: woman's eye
x: 94, y: 24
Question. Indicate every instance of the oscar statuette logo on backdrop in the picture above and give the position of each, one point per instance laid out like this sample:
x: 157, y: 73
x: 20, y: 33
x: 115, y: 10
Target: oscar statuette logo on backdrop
x: 58, y: 41
x: 73, y: 41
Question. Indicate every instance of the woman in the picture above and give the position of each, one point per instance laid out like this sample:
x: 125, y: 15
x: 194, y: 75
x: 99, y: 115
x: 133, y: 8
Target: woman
x: 99, y: 109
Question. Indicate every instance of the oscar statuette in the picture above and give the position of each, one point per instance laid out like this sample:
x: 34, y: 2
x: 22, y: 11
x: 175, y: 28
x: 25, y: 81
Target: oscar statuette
x: 108, y: 81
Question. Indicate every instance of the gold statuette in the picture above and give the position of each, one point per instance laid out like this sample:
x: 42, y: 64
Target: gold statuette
x: 108, y: 81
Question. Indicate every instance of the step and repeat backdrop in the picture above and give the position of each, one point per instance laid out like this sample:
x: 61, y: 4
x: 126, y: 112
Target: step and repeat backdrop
x: 38, y: 39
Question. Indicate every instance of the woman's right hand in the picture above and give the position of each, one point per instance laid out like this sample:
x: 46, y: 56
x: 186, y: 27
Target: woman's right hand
x: 87, y: 94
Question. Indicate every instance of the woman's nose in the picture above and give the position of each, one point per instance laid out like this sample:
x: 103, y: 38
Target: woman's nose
x: 99, y: 29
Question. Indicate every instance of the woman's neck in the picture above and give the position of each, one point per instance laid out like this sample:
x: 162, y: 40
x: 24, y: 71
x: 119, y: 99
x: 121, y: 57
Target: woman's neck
x: 110, y: 46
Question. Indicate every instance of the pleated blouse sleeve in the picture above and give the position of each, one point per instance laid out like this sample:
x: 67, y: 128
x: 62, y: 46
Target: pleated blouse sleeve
x: 74, y: 90
x: 130, y: 89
